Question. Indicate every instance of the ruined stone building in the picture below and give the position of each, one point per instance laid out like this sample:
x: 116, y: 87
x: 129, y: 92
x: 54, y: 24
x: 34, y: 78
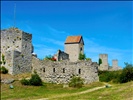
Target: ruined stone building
x: 62, y: 71
x: 74, y: 45
x: 16, y: 47
x: 105, y: 65
x: 61, y: 55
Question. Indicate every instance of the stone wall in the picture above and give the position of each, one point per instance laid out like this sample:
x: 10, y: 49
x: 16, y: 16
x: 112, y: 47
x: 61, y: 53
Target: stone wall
x: 61, y: 56
x: 73, y: 51
x: 61, y: 71
x: 16, y: 47
x: 115, y: 65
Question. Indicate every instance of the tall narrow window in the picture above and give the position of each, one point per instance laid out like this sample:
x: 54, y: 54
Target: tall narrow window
x: 53, y: 69
x: 63, y: 70
x: 43, y: 69
x: 79, y: 71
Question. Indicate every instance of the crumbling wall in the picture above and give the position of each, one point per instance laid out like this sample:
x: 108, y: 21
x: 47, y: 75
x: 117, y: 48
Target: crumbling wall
x: 62, y: 71
x: 62, y: 55
x: 16, y: 47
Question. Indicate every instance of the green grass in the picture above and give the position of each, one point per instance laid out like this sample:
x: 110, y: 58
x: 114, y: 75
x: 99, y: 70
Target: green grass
x: 115, y: 92
x: 46, y: 91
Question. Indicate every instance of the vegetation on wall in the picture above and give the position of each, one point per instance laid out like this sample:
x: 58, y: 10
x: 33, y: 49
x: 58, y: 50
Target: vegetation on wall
x: 3, y: 60
x: 49, y: 57
x: 100, y: 61
x: 3, y: 70
x: 82, y: 56
x: 88, y: 59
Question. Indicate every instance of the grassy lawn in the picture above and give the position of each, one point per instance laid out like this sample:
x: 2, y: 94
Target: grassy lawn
x: 57, y: 92
x: 116, y: 92
x: 45, y: 91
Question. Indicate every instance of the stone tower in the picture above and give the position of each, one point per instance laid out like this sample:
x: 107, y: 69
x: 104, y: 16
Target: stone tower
x: 104, y: 65
x: 74, y: 45
x: 115, y: 65
x: 16, y: 47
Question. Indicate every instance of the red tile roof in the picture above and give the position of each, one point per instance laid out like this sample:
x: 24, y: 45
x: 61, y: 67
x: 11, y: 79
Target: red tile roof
x: 73, y: 39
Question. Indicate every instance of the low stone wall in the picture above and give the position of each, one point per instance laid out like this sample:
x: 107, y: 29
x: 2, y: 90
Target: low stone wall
x: 62, y: 71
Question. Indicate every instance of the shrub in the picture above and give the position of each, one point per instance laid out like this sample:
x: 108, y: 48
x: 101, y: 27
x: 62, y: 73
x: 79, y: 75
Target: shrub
x: 76, y: 82
x: 4, y: 70
x: 87, y: 59
x: 25, y: 82
x: 106, y: 76
x: 0, y: 62
x: 35, y: 80
x: 48, y: 57
x: 127, y: 74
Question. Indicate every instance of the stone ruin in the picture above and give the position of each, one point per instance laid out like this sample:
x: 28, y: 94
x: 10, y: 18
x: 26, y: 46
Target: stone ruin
x: 62, y: 71
x: 16, y: 46
x: 105, y: 66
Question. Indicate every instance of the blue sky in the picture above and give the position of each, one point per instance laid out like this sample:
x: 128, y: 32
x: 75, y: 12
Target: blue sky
x: 106, y: 26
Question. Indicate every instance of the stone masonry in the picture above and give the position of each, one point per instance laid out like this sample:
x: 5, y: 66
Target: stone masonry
x: 105, y: 65
x: 61, y: 56
x: 74, y: 45
x: 62, y: 71
x: 16, y: 46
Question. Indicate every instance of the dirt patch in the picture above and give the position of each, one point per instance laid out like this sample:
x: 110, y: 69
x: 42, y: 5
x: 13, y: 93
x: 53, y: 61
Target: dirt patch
x: 15, y: 77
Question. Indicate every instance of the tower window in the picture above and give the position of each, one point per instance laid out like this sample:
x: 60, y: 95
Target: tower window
x: 79, y: 71
x: 81, y: 49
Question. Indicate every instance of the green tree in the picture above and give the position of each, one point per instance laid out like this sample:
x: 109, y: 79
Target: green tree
x: 100, y: 61
x: 82, y: 56
x: 127, y: 74
x: 88, y: 59
x: 48, y: 57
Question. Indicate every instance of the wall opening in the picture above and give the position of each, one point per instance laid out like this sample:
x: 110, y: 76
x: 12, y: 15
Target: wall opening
x: 54, y: 70
x: 63, y: 70
x: 43, y: 69
x: 79, y: 71
x: 81, y: 49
